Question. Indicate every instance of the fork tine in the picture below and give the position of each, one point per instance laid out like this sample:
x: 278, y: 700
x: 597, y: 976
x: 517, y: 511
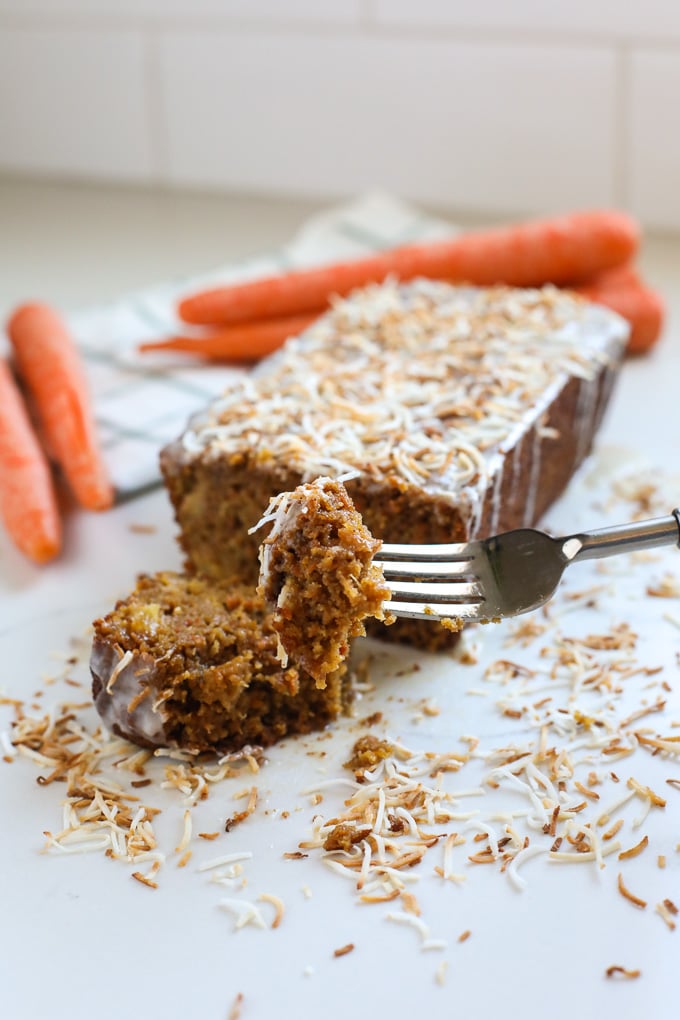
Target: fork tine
x: 459, y: 591
x: 424, y: 570
x: 424, y: 611
x: 429, y: 553
x: 424, y: 583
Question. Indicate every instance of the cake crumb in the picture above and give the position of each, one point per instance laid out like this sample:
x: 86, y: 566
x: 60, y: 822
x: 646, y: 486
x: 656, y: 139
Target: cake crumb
x: 371, y: 720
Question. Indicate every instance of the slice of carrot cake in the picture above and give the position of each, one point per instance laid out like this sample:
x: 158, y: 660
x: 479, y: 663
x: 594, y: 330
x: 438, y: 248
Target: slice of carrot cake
x: 183, y: 662
x: 317, y: 571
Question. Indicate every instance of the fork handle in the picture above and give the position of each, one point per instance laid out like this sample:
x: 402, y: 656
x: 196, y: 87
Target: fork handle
x: 594, y: 545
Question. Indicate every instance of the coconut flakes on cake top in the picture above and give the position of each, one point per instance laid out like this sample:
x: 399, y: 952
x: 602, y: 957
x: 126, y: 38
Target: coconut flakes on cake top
x: 421, y: 382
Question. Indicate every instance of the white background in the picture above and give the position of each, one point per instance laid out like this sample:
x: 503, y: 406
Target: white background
x: 492, y: 107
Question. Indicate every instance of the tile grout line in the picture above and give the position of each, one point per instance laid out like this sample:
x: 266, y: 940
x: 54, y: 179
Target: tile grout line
x: 365, y: 26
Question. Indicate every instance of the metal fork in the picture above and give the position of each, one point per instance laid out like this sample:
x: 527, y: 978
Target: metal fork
x: 506, y: 575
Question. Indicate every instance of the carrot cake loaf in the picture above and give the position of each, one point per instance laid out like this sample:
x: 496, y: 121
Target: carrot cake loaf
x: 187, y: 663
x: 459, y: 411
x: 317, y: 571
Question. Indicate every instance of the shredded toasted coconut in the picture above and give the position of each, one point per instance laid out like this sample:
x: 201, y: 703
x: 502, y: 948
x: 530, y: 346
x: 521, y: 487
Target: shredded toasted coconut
x: 627, y: 894
x: 567, y: 729
x: 235, y: 1010
x: 349, y: 396
x: 278, y: 905
x: 344, y: 950
x: 244, y: 912
x: 440, y: 973
x: 666, y: 914
x: 623, y: 972
x: 634, y: 850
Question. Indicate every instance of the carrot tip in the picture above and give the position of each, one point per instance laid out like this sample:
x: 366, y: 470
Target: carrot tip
x: 100, y: 503
x: 44, y: 554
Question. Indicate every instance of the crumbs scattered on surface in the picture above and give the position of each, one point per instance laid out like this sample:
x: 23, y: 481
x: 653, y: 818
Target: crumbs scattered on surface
x: 399, y: 811
x: 367, y: 752
x: 371, y: 720
x: 101, y: 808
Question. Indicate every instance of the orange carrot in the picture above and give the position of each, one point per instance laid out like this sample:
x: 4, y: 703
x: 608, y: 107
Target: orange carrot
x: 49, y: 363
x: 624, y: 292
x: 28, y: 505
x: 247, y: 342
x: 560, y: 250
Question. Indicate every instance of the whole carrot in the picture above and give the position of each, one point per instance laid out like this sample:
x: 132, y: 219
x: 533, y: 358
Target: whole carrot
x: 28, y: 505
x: 48, y: 361
x: 561, y: 250
x: 247, y: 342
x: 624, y: 292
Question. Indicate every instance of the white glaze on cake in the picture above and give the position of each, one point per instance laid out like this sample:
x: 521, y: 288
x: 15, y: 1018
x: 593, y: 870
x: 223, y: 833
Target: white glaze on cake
x: 423, y: 383
x: 120, y: 681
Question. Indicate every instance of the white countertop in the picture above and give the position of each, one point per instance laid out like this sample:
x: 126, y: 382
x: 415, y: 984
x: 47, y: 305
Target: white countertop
x: 76, y: 932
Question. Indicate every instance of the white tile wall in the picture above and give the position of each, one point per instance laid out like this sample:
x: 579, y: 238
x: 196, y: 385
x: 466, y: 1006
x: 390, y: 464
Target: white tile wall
x: 653, y: 141
x: 73, y: 101
x: 494, y: 107
x: 355, y: 125
x: 608, y: 20
x: 323, y: 11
